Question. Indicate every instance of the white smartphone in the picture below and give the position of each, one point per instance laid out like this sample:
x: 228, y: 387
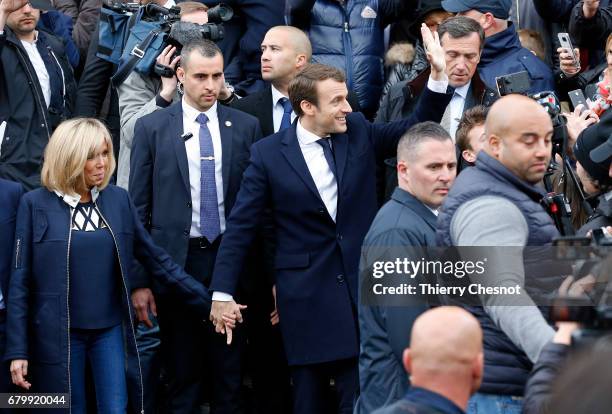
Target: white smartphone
x: 566, y: 43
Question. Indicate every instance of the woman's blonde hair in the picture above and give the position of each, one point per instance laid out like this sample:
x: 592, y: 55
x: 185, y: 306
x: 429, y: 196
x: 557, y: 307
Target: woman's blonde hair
x: 72, y: 143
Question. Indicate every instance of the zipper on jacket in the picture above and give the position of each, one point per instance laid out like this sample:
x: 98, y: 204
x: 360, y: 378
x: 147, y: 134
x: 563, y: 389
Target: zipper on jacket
x: 17, y: 251
x: 63, y: 78
x: 348, y: 49
x: 72, y: 212
x: 127, y: 296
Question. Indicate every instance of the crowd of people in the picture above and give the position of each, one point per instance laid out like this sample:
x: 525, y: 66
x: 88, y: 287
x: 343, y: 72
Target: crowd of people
x: 198, y: 235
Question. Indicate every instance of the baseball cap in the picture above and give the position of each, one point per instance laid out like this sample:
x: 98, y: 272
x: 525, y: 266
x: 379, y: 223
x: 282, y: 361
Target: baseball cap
x: 498, y: 8
x: 42, y: 4
x: 602, y: 152
x: 589, y: 141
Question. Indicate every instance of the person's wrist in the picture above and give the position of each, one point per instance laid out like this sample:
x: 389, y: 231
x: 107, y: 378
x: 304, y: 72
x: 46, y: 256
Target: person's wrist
x: 167, y: 95
x: 437, y: 75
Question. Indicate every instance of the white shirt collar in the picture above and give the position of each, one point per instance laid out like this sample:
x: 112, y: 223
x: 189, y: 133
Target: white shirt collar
x: 463, y: 90
x: 305, y: 137
x: 192, y: 113
x: 73, y: 199
x: 276, y: 95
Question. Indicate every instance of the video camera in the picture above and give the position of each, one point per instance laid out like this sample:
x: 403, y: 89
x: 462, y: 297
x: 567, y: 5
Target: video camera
x: 591, y: 256
x: 213, y: 30
x: 132, y: 36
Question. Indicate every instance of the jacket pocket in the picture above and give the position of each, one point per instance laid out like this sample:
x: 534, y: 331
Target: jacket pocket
x: 292, y: 261
x: 40, y: 226
x: 46, y: 327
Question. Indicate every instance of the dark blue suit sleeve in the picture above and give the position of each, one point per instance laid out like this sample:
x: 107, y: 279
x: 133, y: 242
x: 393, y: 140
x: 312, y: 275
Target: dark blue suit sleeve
x: 19, y: 286
x: 141, y: 190
x: 242, y: 225
x: 429, y: 107
x: 161, y: 266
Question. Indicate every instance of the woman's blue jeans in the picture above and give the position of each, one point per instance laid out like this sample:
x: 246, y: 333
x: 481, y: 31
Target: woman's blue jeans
x: 104, y: 350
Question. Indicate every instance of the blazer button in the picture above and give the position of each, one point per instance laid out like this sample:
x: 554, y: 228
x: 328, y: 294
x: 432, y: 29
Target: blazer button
x: 321, y: 210
x: 189, y: 204
x: 340, y: 278
x: 186, y: 232
x: 339, y: 236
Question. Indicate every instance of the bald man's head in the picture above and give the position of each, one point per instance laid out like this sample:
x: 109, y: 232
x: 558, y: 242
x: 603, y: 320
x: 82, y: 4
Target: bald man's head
x: 445, y: 345
x: 285, y: 51
x: 519, y: 135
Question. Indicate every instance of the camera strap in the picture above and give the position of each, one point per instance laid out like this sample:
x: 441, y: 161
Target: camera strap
x: 137, y: 53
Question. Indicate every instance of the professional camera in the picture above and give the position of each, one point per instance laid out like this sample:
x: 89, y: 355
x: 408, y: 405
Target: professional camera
x: 592, y: 256
x: 132, y: 36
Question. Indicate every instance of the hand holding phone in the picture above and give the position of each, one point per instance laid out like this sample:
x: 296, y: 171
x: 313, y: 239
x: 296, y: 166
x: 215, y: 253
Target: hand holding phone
x: 569, y: 57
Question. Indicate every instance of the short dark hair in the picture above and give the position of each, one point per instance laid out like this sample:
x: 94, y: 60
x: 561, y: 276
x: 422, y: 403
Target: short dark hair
x: 461, y: 26
x: 418, y: 133
x: 304, y: 86
x: 472, y: 117
x: 204, y: 47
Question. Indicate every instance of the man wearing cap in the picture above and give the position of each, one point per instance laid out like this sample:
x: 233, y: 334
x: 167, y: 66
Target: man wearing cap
x: 593, y: 152
x: 36, y: 90
x: 502, y: 53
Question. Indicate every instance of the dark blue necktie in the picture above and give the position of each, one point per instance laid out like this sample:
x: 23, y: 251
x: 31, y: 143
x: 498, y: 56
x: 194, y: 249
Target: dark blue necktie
x: 287, y: 109
x: 329, y: 154
x: 210, y: 226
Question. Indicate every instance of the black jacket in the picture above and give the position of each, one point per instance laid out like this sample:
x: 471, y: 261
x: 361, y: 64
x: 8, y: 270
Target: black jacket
x: 590, y: 32
x: 95, y: 96
x: 22, y: 105
x: 539, y: 385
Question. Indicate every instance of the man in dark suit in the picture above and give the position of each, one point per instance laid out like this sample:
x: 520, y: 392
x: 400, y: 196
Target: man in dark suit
x: 186, y: 164
x: 426, y: 169
x: 10, y: 194
x: 318, y: 180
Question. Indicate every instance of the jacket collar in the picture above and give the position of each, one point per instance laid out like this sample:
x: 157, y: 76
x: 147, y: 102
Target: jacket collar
x: 73, y: 199
x: 408, y: 200
x: 500, y: 44
x: 492, y: 166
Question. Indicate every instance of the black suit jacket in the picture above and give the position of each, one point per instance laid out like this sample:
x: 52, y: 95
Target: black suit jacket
x: 259, y: 104
x: 159, y: 174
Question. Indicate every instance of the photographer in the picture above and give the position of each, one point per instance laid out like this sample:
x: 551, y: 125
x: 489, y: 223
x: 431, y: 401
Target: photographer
x: 596, y: 182
x: 140, y: 94
x: 561, y: 377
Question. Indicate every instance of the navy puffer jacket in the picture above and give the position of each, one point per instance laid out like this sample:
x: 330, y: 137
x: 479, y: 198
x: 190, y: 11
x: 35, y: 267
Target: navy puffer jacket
x: 350, y: 37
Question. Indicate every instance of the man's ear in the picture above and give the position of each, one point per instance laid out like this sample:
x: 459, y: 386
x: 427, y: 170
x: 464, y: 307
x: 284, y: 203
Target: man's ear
x: 469, y: 156
x: 477, y: 372
x: 494, y: 145
x: 307, y: 107
x: 488, y: 20
x: 300, y: 61
x: 180, y: 74
x: 407, y: 360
